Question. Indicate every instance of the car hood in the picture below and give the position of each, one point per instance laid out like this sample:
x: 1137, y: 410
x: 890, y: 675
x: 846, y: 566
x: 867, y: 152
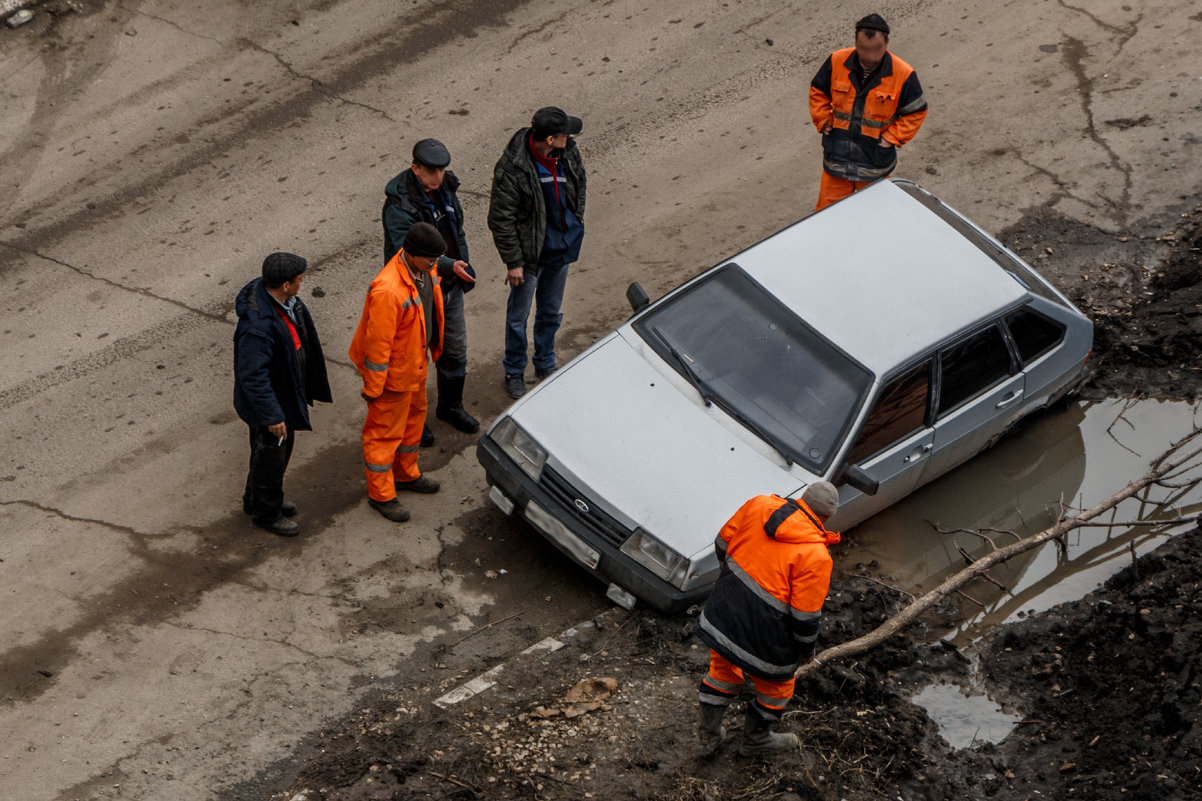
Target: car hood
x: 632, y: 436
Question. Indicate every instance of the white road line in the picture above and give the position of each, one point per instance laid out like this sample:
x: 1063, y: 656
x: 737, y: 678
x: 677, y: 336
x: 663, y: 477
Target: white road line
x: 488, y: 679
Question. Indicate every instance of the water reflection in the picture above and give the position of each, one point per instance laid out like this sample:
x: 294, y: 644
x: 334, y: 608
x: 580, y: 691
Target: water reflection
x: 1076, y: 456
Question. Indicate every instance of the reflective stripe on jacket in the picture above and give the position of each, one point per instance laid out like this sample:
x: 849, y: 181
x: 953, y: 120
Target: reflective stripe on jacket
x: 891, y: 106
x: 389, y: 346
x: 766, y: 608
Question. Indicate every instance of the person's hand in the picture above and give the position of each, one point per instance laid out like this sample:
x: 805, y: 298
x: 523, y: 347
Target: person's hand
x: 278, y: 429
x: 884, y: 143
x: 515, y: 277
x: 365, y: 396
x: 826, y: 128
x: 460, y: 268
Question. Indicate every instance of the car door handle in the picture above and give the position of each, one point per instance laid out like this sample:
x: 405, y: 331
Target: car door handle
x: 1009, y: 399
x: 916, y: 456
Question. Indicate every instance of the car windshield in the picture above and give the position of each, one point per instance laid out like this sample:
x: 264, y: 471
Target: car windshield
x: 744, y: 350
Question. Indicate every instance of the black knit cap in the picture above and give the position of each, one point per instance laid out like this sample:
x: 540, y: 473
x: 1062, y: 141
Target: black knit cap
x: 424, y: 241
x: 431, y: 153
x: 873, y: 22
x: 279, y: 268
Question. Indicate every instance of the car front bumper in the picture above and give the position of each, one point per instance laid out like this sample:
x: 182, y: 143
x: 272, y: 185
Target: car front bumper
x: 549, y: 514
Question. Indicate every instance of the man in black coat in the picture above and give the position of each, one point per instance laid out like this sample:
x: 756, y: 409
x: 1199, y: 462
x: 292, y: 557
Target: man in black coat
x: 279, y: 370
x: 427, y: 192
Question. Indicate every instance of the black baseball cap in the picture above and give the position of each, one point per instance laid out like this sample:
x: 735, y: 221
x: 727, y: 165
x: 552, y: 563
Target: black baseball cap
x: 431, y: 153
x: 873, y: 22
x: 552, y: 120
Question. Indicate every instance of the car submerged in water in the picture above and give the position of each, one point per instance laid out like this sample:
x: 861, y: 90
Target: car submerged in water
x: 876, y: 344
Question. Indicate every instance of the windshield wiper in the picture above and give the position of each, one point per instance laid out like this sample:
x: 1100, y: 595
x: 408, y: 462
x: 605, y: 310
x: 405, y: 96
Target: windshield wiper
x: 707, y: 394
x: 758, y: 431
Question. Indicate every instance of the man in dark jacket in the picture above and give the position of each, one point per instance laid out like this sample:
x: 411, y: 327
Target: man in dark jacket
x: 536, y: 215
x: 279, y: 370
x: 426, y: 192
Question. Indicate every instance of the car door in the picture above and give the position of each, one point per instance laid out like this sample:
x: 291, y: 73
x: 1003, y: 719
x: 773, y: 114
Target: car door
x: 893, y: 444
x: 979, y: 393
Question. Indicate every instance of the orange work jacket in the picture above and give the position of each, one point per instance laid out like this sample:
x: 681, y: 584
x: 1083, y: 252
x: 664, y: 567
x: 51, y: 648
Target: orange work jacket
x: 389, y: 347
x: 891, y: 106
x: 766, y: 608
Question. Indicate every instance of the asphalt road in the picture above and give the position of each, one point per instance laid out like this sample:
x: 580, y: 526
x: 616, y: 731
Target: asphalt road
x: 155, y: 644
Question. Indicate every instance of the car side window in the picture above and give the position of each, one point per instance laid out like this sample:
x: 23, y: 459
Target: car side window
x: 900, y: 411
x: 1034, y: 334
x: 971, y: 366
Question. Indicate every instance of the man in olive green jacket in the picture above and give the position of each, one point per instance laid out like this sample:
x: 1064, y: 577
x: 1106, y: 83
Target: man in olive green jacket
x: 536, y: 215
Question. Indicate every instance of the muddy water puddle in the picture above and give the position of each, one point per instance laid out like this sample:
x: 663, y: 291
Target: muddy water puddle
x: 1079, y: 455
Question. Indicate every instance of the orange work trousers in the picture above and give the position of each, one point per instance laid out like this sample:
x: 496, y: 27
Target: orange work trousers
x: 392, y: 435
x: 832, y: 189
x: 722, y: 685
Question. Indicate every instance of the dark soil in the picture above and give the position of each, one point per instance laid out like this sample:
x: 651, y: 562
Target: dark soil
x: 1143, y: 292
x: 1107, y: 686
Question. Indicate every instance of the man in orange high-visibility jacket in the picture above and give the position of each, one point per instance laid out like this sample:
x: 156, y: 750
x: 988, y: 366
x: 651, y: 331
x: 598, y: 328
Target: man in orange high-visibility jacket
x: 866, y: 103
x: 399, y: 332
x: 764, y: 613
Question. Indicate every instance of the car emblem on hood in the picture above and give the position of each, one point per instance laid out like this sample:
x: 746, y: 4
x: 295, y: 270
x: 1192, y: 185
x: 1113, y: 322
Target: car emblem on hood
x: 582, y: 506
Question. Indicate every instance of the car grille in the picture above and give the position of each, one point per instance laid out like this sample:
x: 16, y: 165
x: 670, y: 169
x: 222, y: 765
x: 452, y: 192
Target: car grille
x: 592, y: 518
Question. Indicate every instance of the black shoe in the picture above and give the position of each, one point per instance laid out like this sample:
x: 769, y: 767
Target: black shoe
x: 286, y: 509
x: 543, y: 372
x: 390, y: 509
x: 515, y: 385
x: 425, y: 485
x: 450, y: 405
x: 281, y: 525
x: 427, y: 436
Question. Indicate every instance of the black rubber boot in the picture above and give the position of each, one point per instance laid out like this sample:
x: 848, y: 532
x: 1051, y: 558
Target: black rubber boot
x: 427, y: 436
x: 758, y: 737
x: 710, y: 732
x: 450, y: 405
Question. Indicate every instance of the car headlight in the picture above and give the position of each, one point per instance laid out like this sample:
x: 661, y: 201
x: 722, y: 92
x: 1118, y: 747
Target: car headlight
x: 656, y: 557
x: 521, y: 447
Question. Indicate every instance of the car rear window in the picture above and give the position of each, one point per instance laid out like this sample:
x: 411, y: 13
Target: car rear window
x: 1034, y: 334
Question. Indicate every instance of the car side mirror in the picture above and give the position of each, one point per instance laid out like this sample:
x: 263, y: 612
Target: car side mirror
x: 856, y: 477
x: 637, y: 296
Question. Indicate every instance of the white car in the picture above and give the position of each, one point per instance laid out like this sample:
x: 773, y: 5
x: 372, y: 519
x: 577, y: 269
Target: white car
x: 876, y: 344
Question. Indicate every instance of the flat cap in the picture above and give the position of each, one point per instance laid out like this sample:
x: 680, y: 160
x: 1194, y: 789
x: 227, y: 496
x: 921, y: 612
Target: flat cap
x: 822, y: 498
x: 552, y: 120
x: 431, y: 153
x: 873, y: 22
x: 424, y: 241
x: 281, y: 267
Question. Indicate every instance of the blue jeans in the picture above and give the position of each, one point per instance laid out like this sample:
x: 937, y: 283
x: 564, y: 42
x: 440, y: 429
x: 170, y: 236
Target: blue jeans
x: 545, y: 288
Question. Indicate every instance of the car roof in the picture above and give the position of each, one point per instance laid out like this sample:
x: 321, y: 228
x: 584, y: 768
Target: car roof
x: 881, y: 275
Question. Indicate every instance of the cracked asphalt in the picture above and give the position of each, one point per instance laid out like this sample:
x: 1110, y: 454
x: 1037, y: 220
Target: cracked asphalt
x: 154, y: 644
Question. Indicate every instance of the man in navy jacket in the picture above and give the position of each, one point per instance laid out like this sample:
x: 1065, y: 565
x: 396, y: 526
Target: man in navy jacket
x: 279, y: 370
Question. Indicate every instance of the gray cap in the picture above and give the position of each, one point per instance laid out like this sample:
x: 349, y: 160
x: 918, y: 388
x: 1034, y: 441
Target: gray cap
x: 431, y: 153
x: 822, y: 498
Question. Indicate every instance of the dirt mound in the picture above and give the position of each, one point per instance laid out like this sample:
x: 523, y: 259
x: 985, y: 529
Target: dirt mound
x: 1110, y: 686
